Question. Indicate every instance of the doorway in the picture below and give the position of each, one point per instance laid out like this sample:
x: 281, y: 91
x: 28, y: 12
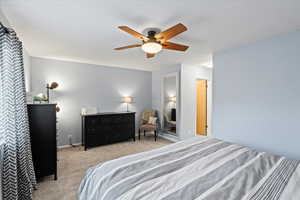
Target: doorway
x: 201, y: 116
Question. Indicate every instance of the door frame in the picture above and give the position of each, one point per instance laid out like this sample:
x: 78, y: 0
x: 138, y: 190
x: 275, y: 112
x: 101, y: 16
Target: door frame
x: 207, y: 110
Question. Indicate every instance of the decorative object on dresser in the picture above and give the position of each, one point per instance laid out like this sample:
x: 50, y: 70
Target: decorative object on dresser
x: 106, y: 128
x: 89, y: 110
x: 149, y: 123
x: 42, y: 125
x: 40, y: 98
x: 52, y: 86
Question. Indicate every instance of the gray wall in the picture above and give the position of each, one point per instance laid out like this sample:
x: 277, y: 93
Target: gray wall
x: 257, y: 95
x: 189, y: 76
x: 85, y: 85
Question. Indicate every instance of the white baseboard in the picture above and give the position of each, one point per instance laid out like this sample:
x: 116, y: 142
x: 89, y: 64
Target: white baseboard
x: 162, y: 135
x: 68, y: 145
x: 170, y: 137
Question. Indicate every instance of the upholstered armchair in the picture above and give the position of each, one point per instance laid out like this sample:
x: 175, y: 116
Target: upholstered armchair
x: 145, y: 126
x: 170, y: 124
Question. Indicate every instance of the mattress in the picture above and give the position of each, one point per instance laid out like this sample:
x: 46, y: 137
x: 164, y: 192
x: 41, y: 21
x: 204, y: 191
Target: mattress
x: 197, y: 168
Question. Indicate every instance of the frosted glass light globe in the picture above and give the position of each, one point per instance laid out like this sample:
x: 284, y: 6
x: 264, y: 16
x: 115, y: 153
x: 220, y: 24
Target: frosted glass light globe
x: 152, y: 47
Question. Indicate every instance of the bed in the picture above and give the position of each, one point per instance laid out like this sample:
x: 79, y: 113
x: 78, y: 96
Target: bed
x: 197, y: 168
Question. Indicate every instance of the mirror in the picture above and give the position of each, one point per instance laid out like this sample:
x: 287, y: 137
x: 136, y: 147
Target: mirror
x: 169, y: 103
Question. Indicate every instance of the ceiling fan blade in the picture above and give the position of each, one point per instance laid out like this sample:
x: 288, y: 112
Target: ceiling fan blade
x: 150, y: 55
x: 133, y: 33
x: 174, y: 46
x: 171, y: 32
x: 128, y: 46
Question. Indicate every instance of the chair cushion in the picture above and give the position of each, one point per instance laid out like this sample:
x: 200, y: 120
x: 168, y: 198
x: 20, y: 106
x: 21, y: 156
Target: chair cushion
x: 148, y: 127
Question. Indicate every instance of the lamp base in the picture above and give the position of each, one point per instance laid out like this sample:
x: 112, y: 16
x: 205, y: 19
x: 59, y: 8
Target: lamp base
x: 127, y: 107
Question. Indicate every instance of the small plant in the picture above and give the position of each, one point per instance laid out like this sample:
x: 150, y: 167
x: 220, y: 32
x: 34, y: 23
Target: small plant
x: 40, y: 98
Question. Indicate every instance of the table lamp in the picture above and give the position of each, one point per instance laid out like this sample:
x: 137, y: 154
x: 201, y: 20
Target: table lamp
x: 127, y: 100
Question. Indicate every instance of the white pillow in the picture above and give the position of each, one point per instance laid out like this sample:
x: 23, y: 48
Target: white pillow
x: 152, y: 120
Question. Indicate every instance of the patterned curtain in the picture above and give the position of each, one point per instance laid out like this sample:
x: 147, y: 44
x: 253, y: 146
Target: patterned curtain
x: 18, y: 179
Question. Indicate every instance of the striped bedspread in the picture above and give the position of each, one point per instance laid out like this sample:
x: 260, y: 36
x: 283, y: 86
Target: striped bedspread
x: 198, y: 168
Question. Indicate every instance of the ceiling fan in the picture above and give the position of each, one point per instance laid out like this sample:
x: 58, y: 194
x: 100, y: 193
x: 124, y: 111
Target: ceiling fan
x: 155, y: 42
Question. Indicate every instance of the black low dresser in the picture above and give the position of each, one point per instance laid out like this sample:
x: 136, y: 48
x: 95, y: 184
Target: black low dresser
x: 107, y: 128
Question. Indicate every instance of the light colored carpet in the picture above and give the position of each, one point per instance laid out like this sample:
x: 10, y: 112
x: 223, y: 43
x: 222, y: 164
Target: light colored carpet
x: 73, y: 162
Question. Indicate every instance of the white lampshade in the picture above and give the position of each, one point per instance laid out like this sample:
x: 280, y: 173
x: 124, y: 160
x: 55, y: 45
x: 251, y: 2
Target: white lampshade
x: 172, y: 99
x: 151, y: 47
x: 127, y: 99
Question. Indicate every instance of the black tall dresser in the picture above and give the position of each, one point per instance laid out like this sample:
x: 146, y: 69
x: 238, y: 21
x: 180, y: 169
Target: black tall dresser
x: 42, y: 124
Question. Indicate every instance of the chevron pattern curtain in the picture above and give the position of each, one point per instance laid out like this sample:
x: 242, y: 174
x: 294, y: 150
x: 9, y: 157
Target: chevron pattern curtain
x: 18, y: 179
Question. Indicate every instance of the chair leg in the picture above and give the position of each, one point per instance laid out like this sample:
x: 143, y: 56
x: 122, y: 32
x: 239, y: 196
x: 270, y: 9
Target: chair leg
x: 144, y: 132
x: 155, y: 134
x: 139, y: 134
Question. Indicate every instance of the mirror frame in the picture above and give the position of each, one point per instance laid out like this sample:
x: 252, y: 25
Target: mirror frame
x: 162, y: 101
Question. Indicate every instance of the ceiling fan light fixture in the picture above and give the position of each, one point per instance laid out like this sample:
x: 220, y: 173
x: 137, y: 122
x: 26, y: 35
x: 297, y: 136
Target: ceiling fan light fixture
x: 152, y: 47
x: 155, y: 41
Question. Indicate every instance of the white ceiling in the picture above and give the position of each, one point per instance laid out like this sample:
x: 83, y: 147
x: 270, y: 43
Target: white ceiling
x: 86, y: 30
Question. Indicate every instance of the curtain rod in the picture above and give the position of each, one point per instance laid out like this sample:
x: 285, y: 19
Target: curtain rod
x: 5, y: 28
